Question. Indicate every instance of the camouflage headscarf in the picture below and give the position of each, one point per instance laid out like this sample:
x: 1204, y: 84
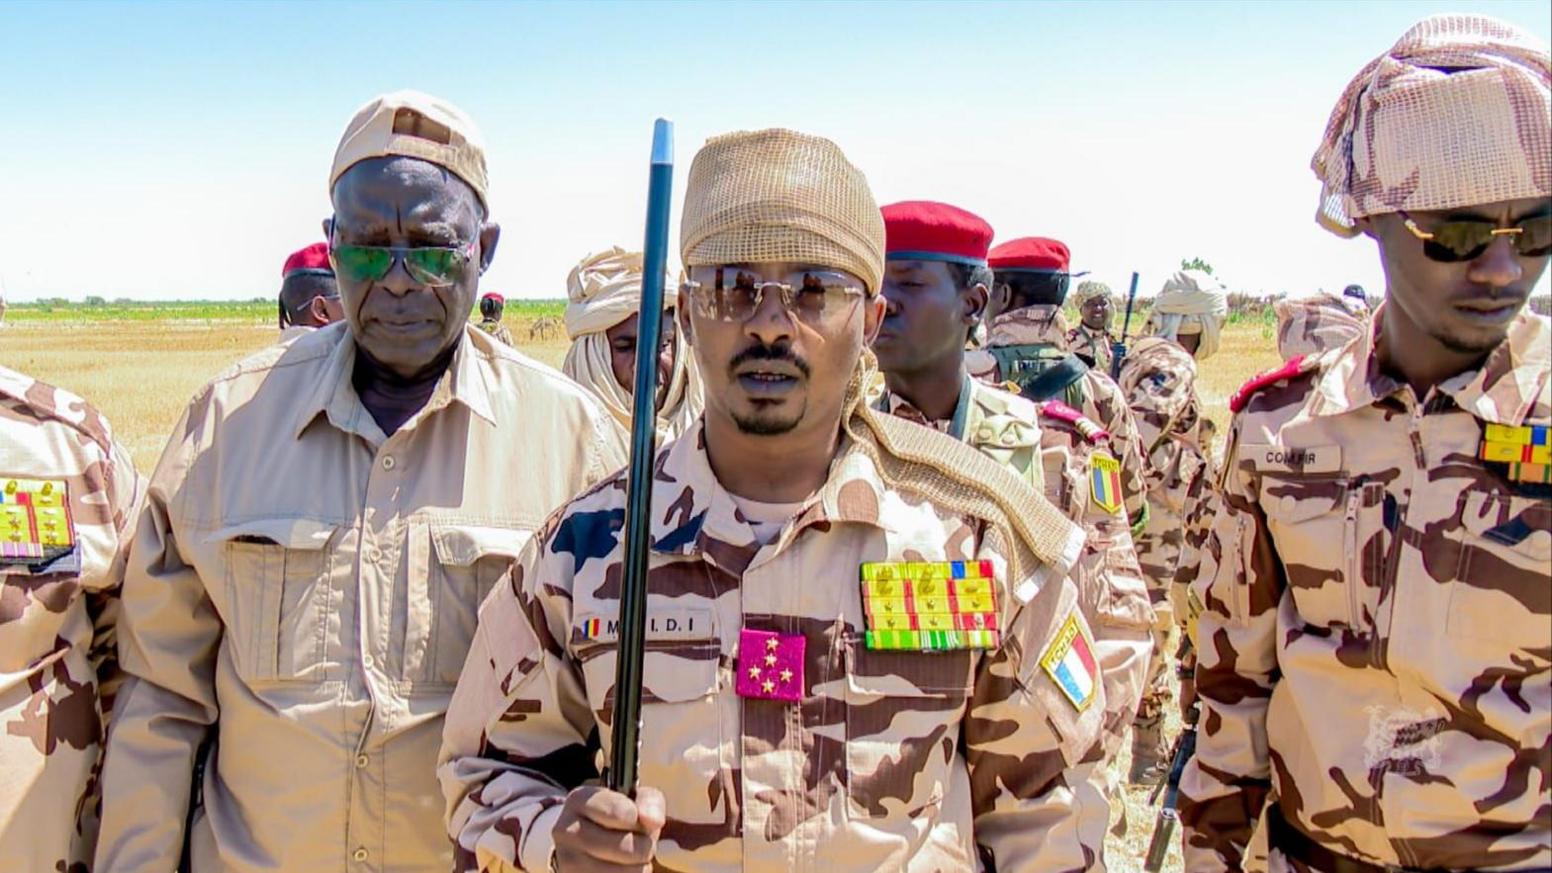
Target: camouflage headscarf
x: 1087, y: 291
x: 1455, y: 114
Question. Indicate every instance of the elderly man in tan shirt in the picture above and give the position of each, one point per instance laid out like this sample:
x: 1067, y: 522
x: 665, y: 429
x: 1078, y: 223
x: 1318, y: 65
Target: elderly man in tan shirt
x: 316, y: 543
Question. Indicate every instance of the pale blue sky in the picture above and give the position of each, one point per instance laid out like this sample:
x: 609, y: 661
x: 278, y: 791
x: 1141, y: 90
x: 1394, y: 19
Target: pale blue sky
x: 175, y: 150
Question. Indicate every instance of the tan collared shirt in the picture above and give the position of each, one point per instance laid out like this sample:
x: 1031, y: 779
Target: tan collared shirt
x: 304, y: 588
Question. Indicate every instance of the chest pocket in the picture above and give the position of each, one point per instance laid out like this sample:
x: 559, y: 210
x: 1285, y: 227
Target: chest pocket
x: 903, y: 713
x: 461, y: 565
x: 280, y: 600
x: 1501, y: 591
x: 684, y: 720
x: 1329, y: 535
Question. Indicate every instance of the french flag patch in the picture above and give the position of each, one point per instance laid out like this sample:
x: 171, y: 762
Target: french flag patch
x: 1070, y: 662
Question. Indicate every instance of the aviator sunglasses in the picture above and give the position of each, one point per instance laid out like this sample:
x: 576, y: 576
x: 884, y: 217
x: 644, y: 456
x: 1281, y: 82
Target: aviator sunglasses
x: 1465, y: 239
x: 429, y: 265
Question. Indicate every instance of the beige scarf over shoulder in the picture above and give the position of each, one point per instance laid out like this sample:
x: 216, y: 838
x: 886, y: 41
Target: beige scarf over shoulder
x: 602, y: 291
x: 1455, y: 114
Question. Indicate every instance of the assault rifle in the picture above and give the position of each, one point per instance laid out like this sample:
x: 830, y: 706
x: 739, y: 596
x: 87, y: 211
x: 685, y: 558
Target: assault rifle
x: 1169, y: 817
x: 1118, y: 348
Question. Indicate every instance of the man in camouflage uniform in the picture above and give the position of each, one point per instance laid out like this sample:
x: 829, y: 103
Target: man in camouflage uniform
x: 1376, y: 643
x: 68, y: 497
x: 793, y: 716
x: 1091, y: 339
x: 491, y: 305
x: 1027, y: 341
x: 1159, y: 381
x: 936, y: 282
x: 320, y: 531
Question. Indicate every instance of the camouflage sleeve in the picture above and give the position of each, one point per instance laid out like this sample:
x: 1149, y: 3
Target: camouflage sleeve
x: 168, y: 633
x: 1201, y: 506
x: 1126, y: 441
x: 519, y: 733
x: 1030, y: 749
x: 1226, y: 784
x: 126, y: 494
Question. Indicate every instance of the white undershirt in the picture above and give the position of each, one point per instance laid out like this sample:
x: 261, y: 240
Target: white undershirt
x: 766, y: 519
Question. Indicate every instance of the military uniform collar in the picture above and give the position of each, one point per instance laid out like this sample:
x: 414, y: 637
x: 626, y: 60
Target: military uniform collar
x: 693, y: 515
x: 890, y: 403
x: 465, y: 382
x: 1502, y: 390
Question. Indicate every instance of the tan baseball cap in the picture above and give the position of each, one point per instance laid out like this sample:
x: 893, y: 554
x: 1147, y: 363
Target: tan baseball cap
x: 414, y: 125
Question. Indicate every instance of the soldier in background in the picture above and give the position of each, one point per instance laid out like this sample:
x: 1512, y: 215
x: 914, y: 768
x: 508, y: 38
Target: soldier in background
x: 491, y: 306
x: 309, y: 295
x: 602, y: 313
x: 1026, y: 348
x: 1158, y: 378
x: 1091, y: 339
x: 1376, y: 640
x: 801, y: 709
x: 69, y: 495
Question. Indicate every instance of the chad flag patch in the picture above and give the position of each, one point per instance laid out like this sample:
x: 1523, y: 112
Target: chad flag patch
x: 1070, y: 661
x: 1105, y: 482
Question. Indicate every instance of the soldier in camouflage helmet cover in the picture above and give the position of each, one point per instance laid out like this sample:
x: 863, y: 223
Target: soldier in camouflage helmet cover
x: 1091, y: 338
x: 68, y: 498
x: 935, y: 287
x: 802, y: 704
x: 1376, y: 640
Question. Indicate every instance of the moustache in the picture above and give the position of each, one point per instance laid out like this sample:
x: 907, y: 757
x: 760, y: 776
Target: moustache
x: 764, y: 352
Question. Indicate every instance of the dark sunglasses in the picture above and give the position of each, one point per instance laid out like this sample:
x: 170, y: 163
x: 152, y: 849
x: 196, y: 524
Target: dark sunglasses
x: 1465, y: 239
x: 430, y: 265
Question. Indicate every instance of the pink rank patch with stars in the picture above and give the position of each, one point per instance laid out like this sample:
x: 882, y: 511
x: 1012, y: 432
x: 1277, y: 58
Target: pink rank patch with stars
x: 770, y: 665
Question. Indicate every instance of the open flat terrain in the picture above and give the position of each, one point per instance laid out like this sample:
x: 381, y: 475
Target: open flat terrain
x: 140, y: 365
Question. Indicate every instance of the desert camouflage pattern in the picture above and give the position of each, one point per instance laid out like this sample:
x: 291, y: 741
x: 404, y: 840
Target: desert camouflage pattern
x: 303, y: 588
x: 1405, y: 135
x: 57, y: 629
x: 901, y: 761
x: 1001, y: 425
x: 1159, y: 381
x: 1101, y: 399
x: 1310, y: 325
x: 1376, y: 640
x: 495, y: 328
x: 1093, y: 346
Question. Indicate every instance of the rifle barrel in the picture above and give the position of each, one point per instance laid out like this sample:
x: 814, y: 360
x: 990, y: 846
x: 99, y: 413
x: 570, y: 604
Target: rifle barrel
x: 1116, y: 354
x: 626, y: 744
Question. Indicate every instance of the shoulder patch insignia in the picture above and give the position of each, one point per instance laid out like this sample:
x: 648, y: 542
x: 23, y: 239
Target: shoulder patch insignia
x: 1105, y: 482
x: 1070, y: 662
x: 1293, y: 367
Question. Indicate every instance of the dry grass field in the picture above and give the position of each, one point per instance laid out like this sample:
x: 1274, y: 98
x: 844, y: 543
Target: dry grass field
x: 140, y: 370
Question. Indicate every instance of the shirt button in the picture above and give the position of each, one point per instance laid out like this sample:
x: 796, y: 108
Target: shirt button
x: 362, y: 760
x: 388, y: 462
x: 372, y: 554
x: 368, y: 662
x: 359, y: 854
x: 1289, y: 503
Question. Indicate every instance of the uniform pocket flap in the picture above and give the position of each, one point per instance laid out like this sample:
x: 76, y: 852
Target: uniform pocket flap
x: 302, y: 534
x: 462, y: 545
x: 1295, y: 500
x: 1520, y: 523
x: 871, y: 673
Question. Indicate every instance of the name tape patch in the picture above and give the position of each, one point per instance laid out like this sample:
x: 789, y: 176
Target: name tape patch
x: 662, y: 624
x: 1292, y: 459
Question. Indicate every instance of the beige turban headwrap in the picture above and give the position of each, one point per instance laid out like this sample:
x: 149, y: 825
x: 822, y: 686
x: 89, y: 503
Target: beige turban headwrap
x: 777, y: 195
x: 1191, y: 301
x: 602, y: 291
x: 1087, y: 291
x: 1457, y: 113
x: 1310, y: 325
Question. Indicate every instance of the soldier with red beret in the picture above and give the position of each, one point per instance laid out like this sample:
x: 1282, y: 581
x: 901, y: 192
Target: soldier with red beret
x: 936, y: 289
x: 491, y: 306
x: 309, y: 297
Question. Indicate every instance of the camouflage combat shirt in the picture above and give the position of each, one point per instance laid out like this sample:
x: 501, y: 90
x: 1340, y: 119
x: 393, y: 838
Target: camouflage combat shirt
x: 58, y: 608
x: 884, y: 760
x: 1376, y: 645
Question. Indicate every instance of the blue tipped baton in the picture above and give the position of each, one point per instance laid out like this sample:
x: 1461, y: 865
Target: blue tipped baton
x: 626, y: 747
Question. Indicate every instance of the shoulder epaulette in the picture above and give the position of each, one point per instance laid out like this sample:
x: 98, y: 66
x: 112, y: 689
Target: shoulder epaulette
x: 1295, y: 366
x: 1086, y: 426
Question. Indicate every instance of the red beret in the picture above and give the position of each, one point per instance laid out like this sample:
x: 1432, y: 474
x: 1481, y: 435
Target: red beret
x: 312, y: 260
x: 1031, y: 253
x: 921, y: 230
x: 491, y: 295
